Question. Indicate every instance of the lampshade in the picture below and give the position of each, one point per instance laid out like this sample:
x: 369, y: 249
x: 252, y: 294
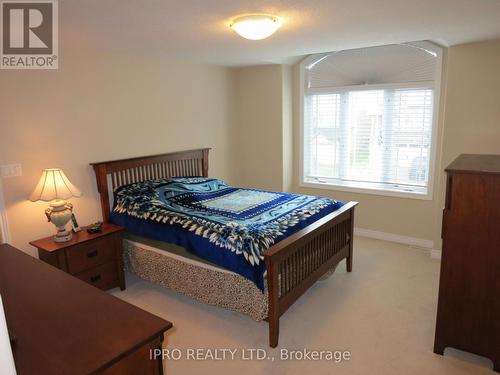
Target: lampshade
x: 54, y: 185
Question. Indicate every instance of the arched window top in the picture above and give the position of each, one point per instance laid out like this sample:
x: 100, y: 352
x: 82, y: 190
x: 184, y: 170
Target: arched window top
x: 383, y: 65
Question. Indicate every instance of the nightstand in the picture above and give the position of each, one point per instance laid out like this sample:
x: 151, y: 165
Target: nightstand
x: 93, y: 258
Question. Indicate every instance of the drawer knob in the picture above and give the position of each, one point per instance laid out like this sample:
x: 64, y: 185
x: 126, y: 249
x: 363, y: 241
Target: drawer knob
x: 95, y: 278
x: 92, y: 254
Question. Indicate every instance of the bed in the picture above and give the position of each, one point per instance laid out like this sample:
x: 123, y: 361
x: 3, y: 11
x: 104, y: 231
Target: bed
x: 290, y: 264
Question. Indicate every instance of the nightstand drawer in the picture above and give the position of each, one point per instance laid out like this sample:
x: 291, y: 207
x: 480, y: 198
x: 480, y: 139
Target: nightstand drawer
x: 85, y: 253
x: 103, y: 277
x: 90, y: 254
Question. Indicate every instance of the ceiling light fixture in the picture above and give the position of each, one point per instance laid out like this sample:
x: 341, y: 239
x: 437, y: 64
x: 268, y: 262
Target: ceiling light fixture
x: 256, y: 26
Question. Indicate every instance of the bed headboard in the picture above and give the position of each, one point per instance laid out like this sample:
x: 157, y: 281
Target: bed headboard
x: 112, y: 174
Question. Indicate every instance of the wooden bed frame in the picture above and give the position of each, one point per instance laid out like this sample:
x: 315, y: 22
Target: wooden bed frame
x: 293, y: 265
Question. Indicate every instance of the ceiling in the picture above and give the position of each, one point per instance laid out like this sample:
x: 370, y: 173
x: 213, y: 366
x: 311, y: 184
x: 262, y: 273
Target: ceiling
x: 197, y: 30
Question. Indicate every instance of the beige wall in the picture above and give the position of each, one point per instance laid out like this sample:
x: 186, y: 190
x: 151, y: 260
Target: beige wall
x: 263, y: 126
x: 472, y: 105
x: 258, y: 126
x: 287, y: 124
x: 99, y: 107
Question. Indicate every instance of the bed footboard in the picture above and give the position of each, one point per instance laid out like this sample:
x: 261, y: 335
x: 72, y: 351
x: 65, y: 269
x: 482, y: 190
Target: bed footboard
x: 296, y: 263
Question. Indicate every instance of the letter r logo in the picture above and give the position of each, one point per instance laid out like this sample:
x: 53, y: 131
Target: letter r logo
x: 27, y: 28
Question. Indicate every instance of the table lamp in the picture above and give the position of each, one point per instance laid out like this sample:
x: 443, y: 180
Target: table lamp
x: 54, y: 187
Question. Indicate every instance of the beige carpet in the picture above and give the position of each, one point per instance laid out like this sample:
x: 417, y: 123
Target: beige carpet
x: 383, y: 314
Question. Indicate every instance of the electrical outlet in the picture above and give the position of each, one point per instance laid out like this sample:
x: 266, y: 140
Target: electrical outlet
x: 11, y: 170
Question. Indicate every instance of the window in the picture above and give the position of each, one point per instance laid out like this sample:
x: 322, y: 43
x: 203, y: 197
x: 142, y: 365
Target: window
x: 369, y: 119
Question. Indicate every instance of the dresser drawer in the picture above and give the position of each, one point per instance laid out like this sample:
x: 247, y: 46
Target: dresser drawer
x: 103, y: 277
x: 90, y: 254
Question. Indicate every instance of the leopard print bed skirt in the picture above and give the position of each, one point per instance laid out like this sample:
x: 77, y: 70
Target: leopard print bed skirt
x: 206, y: 284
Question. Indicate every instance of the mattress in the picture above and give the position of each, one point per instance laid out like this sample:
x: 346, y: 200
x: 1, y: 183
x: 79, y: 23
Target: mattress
x: 223, y: 225
x: 165, y: 246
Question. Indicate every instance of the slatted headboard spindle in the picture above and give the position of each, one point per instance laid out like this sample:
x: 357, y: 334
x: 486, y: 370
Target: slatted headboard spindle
x: 113, y: 174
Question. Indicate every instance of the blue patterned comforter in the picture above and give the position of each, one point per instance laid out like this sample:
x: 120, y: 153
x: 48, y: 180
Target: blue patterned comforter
x: 228, y: 226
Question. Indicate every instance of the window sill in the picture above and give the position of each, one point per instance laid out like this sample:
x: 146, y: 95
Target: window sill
x: 387, y: 193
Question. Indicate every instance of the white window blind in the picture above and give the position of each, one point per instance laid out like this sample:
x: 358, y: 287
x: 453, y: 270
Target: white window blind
x: 375, y: 136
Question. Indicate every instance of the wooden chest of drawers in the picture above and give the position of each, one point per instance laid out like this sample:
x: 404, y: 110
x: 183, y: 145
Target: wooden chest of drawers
x: 93, y: 258
x: 63, y: 326
x: 468, y: 315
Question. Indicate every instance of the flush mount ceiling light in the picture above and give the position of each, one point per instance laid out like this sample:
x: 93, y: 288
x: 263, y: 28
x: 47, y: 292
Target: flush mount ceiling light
x: 256, y: 26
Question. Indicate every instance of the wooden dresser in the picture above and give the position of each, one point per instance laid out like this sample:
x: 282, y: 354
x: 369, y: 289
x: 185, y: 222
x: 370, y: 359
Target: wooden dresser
x: 94, y: 258
x: 468, y: 315
x: 62, y: 325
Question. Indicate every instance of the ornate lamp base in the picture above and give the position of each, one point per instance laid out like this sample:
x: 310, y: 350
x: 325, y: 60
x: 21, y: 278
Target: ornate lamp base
x: 63, y: 236
x: 59, y: 213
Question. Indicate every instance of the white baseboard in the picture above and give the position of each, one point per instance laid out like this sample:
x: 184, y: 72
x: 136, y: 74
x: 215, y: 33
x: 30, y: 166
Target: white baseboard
x: 405, y: 240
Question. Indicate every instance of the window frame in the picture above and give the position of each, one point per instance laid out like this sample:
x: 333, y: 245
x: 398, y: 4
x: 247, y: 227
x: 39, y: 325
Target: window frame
x: 435, y: 85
